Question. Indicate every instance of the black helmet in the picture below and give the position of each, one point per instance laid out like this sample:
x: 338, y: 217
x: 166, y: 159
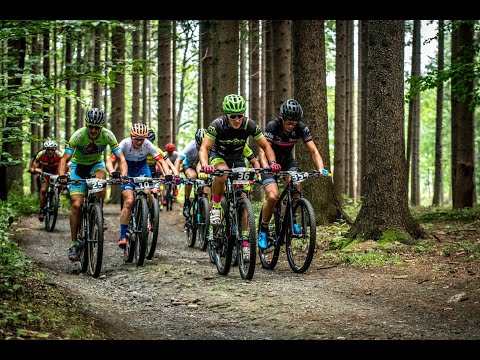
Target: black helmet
x: 291, y: 109
x: 151, y: 135
x: 199, y: 136
x: 95, y: 117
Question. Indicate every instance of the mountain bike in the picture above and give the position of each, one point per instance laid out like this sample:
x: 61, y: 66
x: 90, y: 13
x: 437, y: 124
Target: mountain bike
x: 170, y: 190
x: 90, y: 234
x: 237, y: 227
x: 143, y: 221
x: 52, y: 203
x: 199, y: 220
x: 294, y: 224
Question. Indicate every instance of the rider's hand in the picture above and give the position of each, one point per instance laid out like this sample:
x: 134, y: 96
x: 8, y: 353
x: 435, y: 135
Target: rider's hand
x: 324, y: 172
x: 177, y: 179
x: 168, y: 177
x: 62, y: 179
x: 125, y: 179
x: 115, y: 175
x: 208, y: 169
x: 275, y: 167
x: 202, y: 176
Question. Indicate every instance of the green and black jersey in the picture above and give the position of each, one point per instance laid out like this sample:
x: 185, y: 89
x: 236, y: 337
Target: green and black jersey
x: 230, y: 142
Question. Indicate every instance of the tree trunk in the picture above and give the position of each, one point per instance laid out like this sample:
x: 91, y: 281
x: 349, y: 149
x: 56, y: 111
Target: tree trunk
x: 462, y: 115
x: 310, y: 88
x: 164, y: 81
x: 385, y: 204
x: 438, y: 181
x: 118, y: 95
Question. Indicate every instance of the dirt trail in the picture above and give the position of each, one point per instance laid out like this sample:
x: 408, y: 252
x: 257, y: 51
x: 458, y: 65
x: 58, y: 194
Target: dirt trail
x: 179, y: 295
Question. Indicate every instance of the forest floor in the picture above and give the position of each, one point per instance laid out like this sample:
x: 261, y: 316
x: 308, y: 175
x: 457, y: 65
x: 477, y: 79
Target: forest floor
x: 430, y: 291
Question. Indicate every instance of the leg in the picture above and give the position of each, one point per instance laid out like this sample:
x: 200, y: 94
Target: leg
x: 127, y: 195
x: 190, y: 174
x: 76, y: 206
x: 43, y: 192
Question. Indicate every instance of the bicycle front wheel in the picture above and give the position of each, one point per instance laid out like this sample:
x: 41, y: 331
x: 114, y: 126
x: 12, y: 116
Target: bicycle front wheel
x: 222, y: 243
x: 95, y: 240
x: 153, y: 225
x: 203, y: 224
x: 141, y: 214
x: 247, y: 242
x: 52, y: 210
x: 300, y: 245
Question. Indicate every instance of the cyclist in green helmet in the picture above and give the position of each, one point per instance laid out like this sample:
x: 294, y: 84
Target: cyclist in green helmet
x: 222, y: 147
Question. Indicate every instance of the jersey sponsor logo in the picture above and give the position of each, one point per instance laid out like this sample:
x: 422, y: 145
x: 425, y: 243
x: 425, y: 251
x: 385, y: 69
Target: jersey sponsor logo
x: 92, y: 148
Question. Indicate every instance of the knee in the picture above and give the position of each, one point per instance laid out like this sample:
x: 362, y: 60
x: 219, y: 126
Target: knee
x: 128, y: 203
x: 76, y: 205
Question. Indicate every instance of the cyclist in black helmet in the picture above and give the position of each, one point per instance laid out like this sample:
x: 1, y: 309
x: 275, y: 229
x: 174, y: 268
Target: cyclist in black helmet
x: 283, y: 133
x: 85, y: 149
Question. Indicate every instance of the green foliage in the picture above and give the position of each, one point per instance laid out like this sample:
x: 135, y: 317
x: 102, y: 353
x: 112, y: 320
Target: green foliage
x: 391, y: 236
x: 372, y: 257
x: 444, y: 214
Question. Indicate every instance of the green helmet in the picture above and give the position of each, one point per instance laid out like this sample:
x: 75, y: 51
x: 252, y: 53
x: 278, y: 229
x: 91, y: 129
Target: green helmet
x: 233, y: 104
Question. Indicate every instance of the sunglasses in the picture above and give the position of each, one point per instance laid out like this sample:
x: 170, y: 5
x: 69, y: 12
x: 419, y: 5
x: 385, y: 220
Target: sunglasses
x: 235, y: 116
x: 289, y: 121
x: 92, y: 127
x: 50, y: 149
x: 138, y: 138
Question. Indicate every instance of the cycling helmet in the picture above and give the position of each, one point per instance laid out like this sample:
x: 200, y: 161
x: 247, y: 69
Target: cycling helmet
x: 50, y: 144
x: 151, y: 135
x: 291, y: 109
x: 170, y: 147
x: 199, y: 136
x: 95, y: 117
x: 233, y: 104
x: 139, y: 131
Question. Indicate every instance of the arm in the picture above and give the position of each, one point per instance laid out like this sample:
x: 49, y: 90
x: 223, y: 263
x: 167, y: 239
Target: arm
x: 62, y: 166
x: 123, y: 164
x: 207, y: 144
x: 265, y: 146
x: 254, y: 162
x: 317, y: 159
x: 178, y: 163
x: 162, y: 164
x: 171, y: 166
x: 109, y: 164
x: 262, y: 157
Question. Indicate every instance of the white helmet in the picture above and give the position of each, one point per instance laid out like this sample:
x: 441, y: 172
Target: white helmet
x: 50, y: 144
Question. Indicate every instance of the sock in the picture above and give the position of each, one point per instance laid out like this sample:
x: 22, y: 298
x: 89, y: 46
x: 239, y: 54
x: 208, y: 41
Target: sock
x: 264, y: 226
x: 123, y: 230
x: 216, y: 199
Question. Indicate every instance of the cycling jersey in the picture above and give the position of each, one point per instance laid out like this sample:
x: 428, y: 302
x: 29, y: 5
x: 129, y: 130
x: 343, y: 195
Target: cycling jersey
x: 88, y: 151
x: 230, y: 142
x: 172, y: 158
x: 137, y: 158
x: 189, y: 154
x: 152, y: 161
x: 282, y: 143
x: 48, y: 164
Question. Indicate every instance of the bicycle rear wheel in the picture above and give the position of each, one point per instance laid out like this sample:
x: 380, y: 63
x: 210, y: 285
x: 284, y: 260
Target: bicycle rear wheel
x: 153, y: 225
x: 269, y: 256
x: 300, y: 246
x: 95, y: 240
x: 246, y: 255
x: 141, y: 214
x: 222, y: 243
x: 203, y: 224
x: 52, y: 210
